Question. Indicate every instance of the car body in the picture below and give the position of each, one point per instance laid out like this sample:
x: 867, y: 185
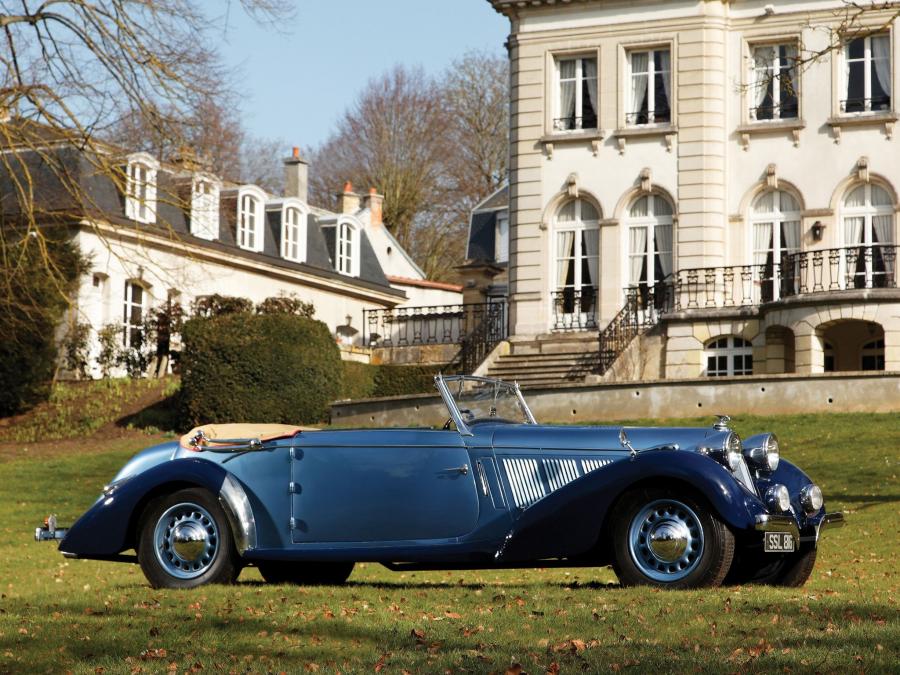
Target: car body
x: 673, y: 507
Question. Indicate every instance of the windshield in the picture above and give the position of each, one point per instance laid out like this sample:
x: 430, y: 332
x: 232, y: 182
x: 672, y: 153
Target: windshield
x: 481, y: 399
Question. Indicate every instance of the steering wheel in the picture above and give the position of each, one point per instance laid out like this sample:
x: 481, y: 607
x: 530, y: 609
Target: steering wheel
x: 462, y: 411
x: 447, y: 424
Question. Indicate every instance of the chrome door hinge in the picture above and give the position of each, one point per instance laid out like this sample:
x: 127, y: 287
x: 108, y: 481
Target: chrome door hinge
x: 293, y: 523
x: 294, y: 488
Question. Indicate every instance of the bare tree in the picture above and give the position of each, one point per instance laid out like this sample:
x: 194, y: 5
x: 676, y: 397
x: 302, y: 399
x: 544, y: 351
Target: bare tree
x: 433, y: 147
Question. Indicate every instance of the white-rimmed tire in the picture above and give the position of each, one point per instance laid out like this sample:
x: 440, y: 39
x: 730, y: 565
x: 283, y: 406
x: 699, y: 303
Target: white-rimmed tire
x: 669, y: 539
x: 184, y: 541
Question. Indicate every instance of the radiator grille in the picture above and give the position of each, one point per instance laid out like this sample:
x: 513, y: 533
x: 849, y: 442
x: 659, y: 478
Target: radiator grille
x: 524, y: 480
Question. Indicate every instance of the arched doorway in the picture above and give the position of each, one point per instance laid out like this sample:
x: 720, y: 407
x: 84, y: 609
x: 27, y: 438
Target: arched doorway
x: 852, y: 345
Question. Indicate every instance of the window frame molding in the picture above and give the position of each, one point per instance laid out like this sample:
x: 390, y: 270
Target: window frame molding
x: 752, y: 219
x: 748, y: 44
x: 210, y: 229
x: 128, y: 302
x: 133, y: 201
x: 551, y: 96
x: 261, y: 197
x: 356, y: 242
x: 625, y: 49
x: 729, y: 352
x: 282, y: 207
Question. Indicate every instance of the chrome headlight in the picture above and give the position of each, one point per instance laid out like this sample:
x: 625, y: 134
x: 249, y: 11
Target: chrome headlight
x: 732, y: 450
x: 811, y: 498
x: 762, y: 452
x: 778, y: 498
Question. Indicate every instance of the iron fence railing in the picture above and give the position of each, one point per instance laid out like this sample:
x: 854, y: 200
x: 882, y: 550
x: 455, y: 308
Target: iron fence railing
x: 639, y: 117
x: 859, y: 104
x: 644, y: 305
x: 575, y: 309
x: 574, y: 123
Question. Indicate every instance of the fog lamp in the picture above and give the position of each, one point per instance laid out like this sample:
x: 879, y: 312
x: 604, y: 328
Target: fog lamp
x: 811, y: 498
x: 778, y: 499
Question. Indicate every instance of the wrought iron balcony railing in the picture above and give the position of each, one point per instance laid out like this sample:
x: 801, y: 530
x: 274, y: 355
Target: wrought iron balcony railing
x: 431, y: 325
x: 782, y: 111
x: 875, y: 104
x: 575, y: 309
x: 661, y: 116
x: 574, y: 123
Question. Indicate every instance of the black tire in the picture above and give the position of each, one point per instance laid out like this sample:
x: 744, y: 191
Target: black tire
x: 791, y: 570
x: 305, y: 573
x: 185, y: 541
x: 700, y: 546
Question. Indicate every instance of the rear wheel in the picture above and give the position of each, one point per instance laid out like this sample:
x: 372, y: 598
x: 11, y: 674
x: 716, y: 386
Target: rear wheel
x: 305, y: 573
x: 185, y: 541
x: 669, y: 539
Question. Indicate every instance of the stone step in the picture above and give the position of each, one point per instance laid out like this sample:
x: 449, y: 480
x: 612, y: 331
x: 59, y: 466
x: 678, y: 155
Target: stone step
x: 556, y: 368
x: 546, y: 359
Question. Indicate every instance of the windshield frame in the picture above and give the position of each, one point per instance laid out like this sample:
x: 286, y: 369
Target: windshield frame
x: 441, y: 382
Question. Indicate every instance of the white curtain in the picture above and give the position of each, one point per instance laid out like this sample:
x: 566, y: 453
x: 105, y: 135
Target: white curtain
x: 882, y: 227
x: 790, y: 236
x: 564, y: 241
x: 881, y: 55
x: 639, y: 76
x: 853, y: 230
x: 763, y: 58
x: 637, y: 252
x: 664, y: 247
x: 567, y: 89
x: 665, y: 65
x: 847, y: 71
x: 590, y: 76
x: 762, y: 242
x: 592, y: 252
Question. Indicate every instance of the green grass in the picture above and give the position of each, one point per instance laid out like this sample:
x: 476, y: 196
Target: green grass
x: 58, y: 615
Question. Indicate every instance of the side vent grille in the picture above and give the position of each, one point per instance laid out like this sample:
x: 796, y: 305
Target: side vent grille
x: 560, y: 472
x: 524, y: 480
x: 589, y: 465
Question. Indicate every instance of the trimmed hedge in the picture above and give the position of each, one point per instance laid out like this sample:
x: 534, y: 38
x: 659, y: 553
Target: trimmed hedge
x: 372, y: 381
x: 258, y: 368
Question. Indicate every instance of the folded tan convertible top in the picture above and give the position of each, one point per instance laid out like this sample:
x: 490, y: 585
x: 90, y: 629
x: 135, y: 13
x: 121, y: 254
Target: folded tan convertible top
x: 211, y: 433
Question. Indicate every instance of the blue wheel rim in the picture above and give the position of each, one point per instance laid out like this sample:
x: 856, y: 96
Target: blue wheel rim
x: 665, y: 540
x: 186, y: 540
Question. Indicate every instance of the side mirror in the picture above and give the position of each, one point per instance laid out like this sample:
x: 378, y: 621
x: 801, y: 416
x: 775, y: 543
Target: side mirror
x: 625, y: 443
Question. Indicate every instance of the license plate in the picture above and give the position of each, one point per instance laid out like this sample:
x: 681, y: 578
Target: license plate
x: 778, y: 542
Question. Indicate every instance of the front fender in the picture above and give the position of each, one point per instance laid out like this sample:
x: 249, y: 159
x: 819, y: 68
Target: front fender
x: 569, y: 521
x: 105, y: 529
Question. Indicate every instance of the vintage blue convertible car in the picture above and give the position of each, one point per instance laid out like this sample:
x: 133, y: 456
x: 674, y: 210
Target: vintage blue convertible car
x: 671, y: 507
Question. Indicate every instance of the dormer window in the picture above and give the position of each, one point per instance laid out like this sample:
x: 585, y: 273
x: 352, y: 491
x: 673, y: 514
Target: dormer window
x: 347, y: 249
x: 140, y: 188
x: 293, y: 231
x: 250, y: 218
x: 205, y: 207
x: 501, y: 238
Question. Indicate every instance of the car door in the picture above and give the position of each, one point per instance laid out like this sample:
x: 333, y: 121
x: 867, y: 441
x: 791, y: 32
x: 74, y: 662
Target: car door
x: 371, y: 486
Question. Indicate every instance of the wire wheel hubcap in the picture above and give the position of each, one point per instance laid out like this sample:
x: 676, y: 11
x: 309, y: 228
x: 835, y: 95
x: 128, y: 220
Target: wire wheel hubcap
x: 187, y: 540
x: 666, y: 540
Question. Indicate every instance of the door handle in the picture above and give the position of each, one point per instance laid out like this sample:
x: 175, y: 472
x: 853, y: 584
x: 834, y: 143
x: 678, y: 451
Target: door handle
x: 464, y: 469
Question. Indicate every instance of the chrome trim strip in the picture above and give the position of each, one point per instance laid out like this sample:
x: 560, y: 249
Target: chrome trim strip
x: 776, y: 523
x: 240, y: 515
x: 482, y: 479
x: 441, y: 385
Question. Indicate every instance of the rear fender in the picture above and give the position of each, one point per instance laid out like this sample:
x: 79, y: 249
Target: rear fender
x: 107, y: 527
x: 569, y: 522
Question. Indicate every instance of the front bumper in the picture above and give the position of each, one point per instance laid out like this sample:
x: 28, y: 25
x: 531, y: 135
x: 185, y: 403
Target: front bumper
x: 782, y: 523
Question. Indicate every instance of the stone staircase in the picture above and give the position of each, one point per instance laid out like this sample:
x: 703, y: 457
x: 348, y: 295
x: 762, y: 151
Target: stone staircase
x: 558, y: 358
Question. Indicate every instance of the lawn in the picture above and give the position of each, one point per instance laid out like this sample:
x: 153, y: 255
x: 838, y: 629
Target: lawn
x: 82, y: 616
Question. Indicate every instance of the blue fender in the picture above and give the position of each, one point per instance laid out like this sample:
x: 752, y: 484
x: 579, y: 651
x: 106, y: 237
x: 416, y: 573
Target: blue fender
x: 106, y: 529
x: 569, y: 521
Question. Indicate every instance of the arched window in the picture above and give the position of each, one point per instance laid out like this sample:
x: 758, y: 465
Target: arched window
x: 649, y: 240
x: 140, y: 188
x: 872, y: 355
x: 347, y: 249
x: 205, y: 207
x: 775, y: 222
x: 868, y: 236
x: 293, y: 234
x: 728, y: 355
x: 577, y: 265
x: 250, y: 220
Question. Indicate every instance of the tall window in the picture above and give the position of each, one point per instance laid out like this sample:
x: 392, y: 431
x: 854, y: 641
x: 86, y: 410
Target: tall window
x: 293, y: 245
x: 347, y: 249
x: 501, y: 238
x: 650, y: 87
x: 577, y: 233
x: 773, y: 84
x: 872, y: 355
x: 867, y: 74
x: 868, y: 231
x: 133, y: 320
x: 249, y: 230
x: 577, y: 103
x: 776, y: 234
x: 140, y: 192
x: 726, y: 356
x: 649, y: 241
x: 205, y: 208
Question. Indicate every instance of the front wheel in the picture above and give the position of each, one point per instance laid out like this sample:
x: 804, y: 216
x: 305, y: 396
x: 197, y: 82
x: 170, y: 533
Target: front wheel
x: 667, y: 539
x: 305, y: 573
x: 185, y: 541
x: 790, y: 570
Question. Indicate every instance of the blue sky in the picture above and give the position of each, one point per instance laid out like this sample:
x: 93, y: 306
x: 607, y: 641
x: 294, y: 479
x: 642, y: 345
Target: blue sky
x: 298, y: 82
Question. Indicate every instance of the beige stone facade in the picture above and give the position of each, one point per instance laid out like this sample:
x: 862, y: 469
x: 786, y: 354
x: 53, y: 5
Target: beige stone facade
x: 771, y: 175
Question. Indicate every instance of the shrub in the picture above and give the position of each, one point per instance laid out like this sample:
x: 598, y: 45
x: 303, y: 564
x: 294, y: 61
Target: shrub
x: 110, y: 340
x: 359, y: 380
x: 286, y: 304
x: 76, y: 348
x: 258, y: 368
x: 372, y: 381
x: 220, y: 305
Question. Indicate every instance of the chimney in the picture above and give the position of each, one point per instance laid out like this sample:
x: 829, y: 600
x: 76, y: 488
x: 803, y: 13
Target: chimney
x: 296, y: 176
x: 349, y: 200
x: 375, y: 203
